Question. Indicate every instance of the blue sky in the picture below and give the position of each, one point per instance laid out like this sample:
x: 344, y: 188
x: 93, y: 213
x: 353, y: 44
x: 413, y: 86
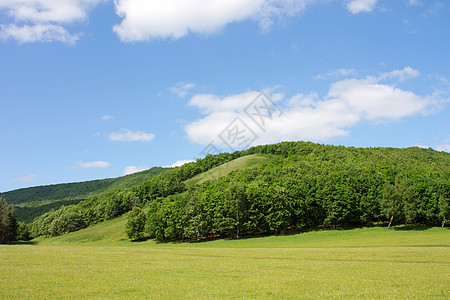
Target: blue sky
x: 94, y: 88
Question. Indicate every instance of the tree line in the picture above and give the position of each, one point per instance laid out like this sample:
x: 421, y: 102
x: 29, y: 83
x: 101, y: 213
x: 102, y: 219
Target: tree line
x: 10, y: 229
x: 69, y: 218
x: 302, y: 185
x: 308, y: 185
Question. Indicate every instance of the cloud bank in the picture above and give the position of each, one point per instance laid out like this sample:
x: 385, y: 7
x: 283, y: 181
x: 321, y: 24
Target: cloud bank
x: 44, y: 20
x: 143, y: 20
x: 151, y: 19
x: 310, y: 117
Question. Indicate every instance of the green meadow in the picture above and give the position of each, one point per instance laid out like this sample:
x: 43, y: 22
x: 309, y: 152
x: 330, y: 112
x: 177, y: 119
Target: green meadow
x: 241, y: 163
x: 100, y: 262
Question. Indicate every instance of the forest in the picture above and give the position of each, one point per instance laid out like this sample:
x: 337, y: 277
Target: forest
x: 10, y: 229
x: 300, y: 186
x: 307, y: 186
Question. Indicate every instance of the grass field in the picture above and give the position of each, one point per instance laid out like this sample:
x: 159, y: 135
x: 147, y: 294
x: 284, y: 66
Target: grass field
x: 240, y: 163
x: 99, y: 262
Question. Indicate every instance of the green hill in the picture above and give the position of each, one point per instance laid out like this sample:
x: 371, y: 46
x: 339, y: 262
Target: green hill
x: 241, y: 163
x: 275, y: 189
x: 110, y: 232
x: 34, y: 201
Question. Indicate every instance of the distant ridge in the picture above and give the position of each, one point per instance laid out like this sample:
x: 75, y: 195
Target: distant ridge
x: 33, y: 201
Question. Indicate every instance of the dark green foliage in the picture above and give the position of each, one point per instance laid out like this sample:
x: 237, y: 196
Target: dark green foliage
x: 23, y: 232
x: 444, y: 209
x: 35, y: 201
x: 8, y: 223
x: 107, y: 206
x: 74, y: 217
x: 28, y: 212
x: 309, y: 185
x: 78, y: 189
x: 135, y: 227
x: 302, y: 185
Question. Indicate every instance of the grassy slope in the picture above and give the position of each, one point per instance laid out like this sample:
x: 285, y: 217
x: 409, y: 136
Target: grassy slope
x: 99, y: 262
x: 244, y: 162
x: 112, y: 233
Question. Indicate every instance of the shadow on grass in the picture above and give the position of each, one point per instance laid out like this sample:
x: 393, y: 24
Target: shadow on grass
x: 289, y: 232
x: 411, y: 227
x: 24, y: 243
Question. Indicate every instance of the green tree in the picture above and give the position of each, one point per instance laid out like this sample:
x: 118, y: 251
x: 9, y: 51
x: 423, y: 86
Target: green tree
x: 390, y: 202
x: 195, y: 223
x: 405, y: 196
x: 444, y: 209
x: 135, y: 227
x: 23, y: 232
x: 8, y: 223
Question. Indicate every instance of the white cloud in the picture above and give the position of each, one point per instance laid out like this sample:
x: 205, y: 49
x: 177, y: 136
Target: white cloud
x: 414, y: 2
x: 179, y: 163
x: 150, y: 19
x: 92, y: 164
x: 336, y: 74
x: 400, y: 75
x: 212, y: 103
x: 125, y: 135
x: 361, y: 6
x: 43, y: 20
x: 43, y: 11
x: 303, y: 118
x: 107, y: 117
x: 377, y: 102
x: 181, y: 89
x: 37, y: 33
x: 26, y: 178
x: 134, y: 169
x: 445, y: 148
x: 310, y: 117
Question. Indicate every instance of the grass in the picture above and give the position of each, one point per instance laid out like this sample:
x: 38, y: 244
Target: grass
x: 240, y: 163
x: 99, y: 262
x: 46, y: 271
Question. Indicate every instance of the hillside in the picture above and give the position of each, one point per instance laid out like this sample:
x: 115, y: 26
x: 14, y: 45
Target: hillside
x: 34, y: 201
x: 274, y: 189
x: 241, y: 163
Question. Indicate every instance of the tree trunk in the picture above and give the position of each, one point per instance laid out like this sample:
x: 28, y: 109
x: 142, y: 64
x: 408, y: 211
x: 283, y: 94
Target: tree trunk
x: 406, y: 219
x: 237, y: 218
x: 443, y: 223
x: 390, y: 222
x: 405, y: 210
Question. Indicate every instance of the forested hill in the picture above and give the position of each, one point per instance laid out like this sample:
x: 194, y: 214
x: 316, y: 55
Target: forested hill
x: 34, y: 201
x: 272, y: 189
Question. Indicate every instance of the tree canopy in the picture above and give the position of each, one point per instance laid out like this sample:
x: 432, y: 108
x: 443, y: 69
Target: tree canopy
x: 300, y: 185
x: 8, y: 223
